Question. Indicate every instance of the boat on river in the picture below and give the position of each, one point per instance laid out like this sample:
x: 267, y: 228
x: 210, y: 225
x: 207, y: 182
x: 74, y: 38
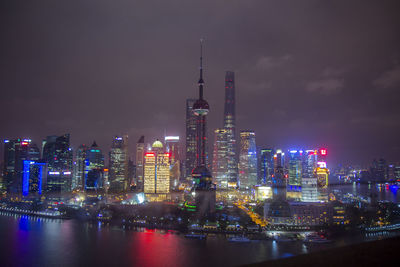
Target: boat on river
x: 317, y: 239
x: 196, y: 236
x: 241, y: 239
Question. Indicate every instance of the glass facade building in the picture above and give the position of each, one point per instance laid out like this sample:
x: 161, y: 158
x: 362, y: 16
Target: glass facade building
x: 190, y: 162
x: 266, y: 165
x: 295, y: 167
x: 140, y: 149
x: 172, y: 146
x: 15, y: 152
x: 94, y: 166
x: 230, y: 126
x: 79, y: 168
x: 220, y: 170
x: 58, y: 156
x: 247, y: 160
x: 119, y: 164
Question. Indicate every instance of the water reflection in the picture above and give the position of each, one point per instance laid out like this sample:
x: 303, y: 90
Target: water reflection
x: 27, y: 241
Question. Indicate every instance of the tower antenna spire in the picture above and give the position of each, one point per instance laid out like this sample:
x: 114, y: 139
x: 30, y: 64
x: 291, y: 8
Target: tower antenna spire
x: 201, y: 81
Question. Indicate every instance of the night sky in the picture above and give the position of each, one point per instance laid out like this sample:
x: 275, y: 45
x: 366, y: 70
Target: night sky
x: 308, y: 73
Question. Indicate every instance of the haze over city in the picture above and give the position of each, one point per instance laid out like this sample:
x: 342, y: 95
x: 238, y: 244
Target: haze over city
x: 308, y: 73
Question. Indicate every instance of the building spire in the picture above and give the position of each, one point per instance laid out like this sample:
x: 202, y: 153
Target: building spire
x: 201, y: 81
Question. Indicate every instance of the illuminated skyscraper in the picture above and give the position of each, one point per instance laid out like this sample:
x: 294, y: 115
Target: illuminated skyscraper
x: 15, y: 152
x: 119, y: 164
x: 220, y: 158
x: 58, y: 155
x: 34, y: 177
x: 79, y: 168
x: 279, y: 160
x: 247, y: 160
x: 310, y: 160
x: 173, y: 148
x: 156, y: 170
x: 295, y: 167
x: 230, y: 126
x: 279, y: 182
x: 309, y: 190
x: 266, y: 165
x: 322, y: 175
x: 94, y: 168
x: 190, y: 162
x: 150, y: 173
x: 140, y: 148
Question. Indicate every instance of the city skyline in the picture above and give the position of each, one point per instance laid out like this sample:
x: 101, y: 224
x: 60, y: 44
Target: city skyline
x: 286, y: 79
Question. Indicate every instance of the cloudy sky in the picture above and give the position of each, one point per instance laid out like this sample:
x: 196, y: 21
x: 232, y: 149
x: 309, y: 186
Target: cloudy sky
x: 308, y: 73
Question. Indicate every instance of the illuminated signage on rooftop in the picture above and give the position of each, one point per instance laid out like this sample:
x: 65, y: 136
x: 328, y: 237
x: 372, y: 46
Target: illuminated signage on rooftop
x: 172, y: 138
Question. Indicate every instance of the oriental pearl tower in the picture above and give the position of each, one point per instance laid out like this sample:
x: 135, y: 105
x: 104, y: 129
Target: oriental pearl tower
x: 204, y: 189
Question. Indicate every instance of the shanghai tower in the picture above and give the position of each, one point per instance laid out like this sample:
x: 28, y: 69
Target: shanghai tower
x: 203, y: 188
x: 230, y: 126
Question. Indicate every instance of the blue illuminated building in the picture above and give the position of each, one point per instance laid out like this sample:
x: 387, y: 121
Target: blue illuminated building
x: 33, y: 178
x: 94, y: 168
x: 15, y: 152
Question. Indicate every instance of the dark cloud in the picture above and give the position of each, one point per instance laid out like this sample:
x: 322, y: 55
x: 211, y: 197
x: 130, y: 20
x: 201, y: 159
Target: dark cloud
x: 326, y: 86
x: 308, y: 72
x: 389, y: 79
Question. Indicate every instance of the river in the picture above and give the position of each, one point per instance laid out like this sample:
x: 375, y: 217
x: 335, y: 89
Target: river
x: 33, y: 241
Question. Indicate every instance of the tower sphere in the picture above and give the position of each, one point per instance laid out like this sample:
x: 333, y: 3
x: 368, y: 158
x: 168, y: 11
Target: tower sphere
x: 201, y: 107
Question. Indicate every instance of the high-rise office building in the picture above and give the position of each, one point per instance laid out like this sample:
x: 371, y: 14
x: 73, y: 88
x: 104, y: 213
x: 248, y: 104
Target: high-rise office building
x: 15, y: 152
x: 397, y: 172
x: 247, y: 160
x: 58, y: 156
x: 379, y: 170
x: 34, y: 177
x: 295, y: 167
x: 190, y: 162
x: 94, y: 168
x: 266, y: 165
x: 156, y: 170
x: 230, y: 126
x: 322, y: 175
x: 310, y: 160
x: 279, y: 182
x: 220, y: 158
x: 131, y: 174
x: 279, y: 160
x: 309, y: 190
x: 79, y: 168
x: 119, y: 158
x: 140, y: 149
x: 173, y: 148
